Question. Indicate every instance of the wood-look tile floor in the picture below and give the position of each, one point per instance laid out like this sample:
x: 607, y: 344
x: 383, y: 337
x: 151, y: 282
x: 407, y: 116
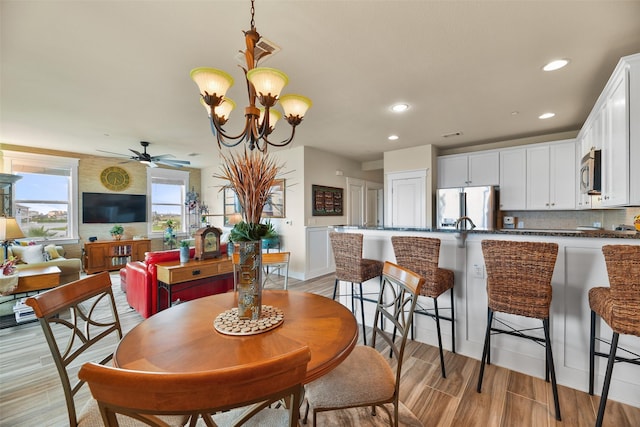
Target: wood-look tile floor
x: 31, y: 395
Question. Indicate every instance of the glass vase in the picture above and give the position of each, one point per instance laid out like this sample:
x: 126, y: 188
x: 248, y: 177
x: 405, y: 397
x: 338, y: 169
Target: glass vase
x: 249, y: 280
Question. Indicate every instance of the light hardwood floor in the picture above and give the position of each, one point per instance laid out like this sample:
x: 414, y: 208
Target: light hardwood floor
x: 31, y: 395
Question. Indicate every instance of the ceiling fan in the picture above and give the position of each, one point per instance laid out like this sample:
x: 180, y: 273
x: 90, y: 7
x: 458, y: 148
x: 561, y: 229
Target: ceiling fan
x: 153, y: 161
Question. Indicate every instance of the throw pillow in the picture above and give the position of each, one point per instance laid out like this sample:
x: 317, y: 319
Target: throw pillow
x: 52, y: 252
x: 29, y: 254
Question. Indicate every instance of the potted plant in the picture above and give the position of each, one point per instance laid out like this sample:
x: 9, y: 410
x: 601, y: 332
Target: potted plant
x: 271, y: 239
x: 117, y: 231
x: 184, y: 251
x: 251, y: 175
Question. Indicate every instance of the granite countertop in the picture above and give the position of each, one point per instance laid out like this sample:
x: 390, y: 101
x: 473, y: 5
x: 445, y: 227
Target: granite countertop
x: 599, y: 234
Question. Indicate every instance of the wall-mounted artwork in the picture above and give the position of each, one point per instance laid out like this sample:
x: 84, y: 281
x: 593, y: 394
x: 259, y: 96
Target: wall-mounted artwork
x: 327, y: 201
x: 274, y: 208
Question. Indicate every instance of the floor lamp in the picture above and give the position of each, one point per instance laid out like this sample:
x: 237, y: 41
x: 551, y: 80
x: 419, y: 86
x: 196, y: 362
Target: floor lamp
x: 9, y: 231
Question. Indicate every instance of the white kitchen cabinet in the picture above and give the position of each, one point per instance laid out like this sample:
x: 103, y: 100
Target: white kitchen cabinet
x: 615, y: 144
x: 614, y: 126
x: 513, y: 179
x: 551, y: 176
x: 465, y: 170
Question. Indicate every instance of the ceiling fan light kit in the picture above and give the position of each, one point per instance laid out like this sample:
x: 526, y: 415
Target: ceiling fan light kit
x: 264, y: 84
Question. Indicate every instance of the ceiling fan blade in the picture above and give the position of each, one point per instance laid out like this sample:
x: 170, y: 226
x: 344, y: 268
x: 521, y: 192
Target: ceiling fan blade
x: 181, y: 162
x: 163, y: 156
x: 174, y: 163
x: 152, y: 165
x: 111, y: 152
x: 137, y: 153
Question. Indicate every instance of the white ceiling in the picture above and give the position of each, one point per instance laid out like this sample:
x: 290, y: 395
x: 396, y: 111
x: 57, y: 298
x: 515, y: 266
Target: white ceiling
x: 92, y: 75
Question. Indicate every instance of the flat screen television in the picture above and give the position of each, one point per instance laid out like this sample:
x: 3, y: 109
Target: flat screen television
x: 107, y: 208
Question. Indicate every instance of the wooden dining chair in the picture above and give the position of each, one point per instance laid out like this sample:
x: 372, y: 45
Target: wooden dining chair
x: 275, y: 262
x: 234, y: 396
x: 271, y: 262
x: 80, y: 323
x: 365, y: 377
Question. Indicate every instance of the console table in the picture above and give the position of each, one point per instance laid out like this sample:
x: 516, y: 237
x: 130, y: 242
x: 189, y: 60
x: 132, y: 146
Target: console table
x: 187, y: 275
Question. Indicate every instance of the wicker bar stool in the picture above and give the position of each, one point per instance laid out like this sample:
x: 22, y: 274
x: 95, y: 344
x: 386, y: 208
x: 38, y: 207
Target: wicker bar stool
x: 352, y: 267
x: 619, y: 307
x: 421, y: 255
x: 519, y: 282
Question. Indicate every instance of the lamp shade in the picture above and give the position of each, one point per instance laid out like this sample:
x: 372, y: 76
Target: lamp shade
x: 211, y: 81
x: 295, y: 105
x: 267, y: 81
x: 274, y: 116
x: 224, y: 110
x: 9, y: 229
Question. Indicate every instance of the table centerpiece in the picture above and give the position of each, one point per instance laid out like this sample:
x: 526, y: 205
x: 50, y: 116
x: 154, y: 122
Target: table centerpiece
x: 251, y: 175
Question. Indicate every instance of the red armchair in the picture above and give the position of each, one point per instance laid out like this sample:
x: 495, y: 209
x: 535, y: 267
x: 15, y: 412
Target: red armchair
x: 141, y: 282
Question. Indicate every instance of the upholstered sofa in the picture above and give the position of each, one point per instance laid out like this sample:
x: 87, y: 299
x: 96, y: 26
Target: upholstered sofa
x: 139, y: 279
x: 40, y: 255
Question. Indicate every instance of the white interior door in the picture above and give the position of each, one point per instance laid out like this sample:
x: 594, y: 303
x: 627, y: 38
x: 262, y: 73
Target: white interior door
x: 408, y: 202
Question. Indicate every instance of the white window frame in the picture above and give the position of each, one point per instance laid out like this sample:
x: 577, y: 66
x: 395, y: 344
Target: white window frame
x: 47, y: 161
x: 173, y: 175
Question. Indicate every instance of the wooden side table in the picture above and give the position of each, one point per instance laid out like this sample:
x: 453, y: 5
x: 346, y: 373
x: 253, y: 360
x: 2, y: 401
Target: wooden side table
x: 184, y: 276
x: 37, y: 279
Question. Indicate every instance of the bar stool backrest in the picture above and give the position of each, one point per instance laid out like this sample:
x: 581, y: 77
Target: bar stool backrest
x: 347, y: 253
x: 519, y: 276
x: 623, y: 268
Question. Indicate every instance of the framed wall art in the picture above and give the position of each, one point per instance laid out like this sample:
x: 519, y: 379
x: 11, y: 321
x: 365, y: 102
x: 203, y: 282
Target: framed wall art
x: 274, y: 208
x: 327, y: 201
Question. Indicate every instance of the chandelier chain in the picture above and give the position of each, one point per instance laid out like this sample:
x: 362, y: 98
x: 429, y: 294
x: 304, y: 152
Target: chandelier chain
x: 253, y: 12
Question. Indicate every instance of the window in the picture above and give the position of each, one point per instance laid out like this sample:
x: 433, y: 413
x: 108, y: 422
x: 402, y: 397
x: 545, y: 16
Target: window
x: 45, y: 202
x: 168, y: 191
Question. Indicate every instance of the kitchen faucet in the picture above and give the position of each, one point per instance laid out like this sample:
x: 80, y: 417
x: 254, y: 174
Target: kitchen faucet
x: 464, y: 218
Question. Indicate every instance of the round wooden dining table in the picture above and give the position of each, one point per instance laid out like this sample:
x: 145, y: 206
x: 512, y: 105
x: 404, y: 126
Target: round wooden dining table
x: 183, y: 338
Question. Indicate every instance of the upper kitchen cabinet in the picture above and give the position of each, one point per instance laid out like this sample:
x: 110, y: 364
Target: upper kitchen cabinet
x: 513, y: 179
x: 466, y: 170
x: 551, y: 176
x: 614, y: 126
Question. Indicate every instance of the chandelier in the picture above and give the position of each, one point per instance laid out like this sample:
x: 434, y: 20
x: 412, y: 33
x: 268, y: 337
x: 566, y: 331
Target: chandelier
x: 263, y: 83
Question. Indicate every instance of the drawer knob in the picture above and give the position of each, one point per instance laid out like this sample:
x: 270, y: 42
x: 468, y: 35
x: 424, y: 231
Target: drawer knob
x: 195, y: 272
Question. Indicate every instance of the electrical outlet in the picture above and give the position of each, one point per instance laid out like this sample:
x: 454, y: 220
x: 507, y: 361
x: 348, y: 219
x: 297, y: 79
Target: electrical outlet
x: 478, y: 271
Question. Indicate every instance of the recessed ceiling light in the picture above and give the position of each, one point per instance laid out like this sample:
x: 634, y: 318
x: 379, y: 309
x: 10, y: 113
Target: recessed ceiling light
x: 546, y: 116
x: 393, y: 137
x: 399, y: 108
x: 555, y: 65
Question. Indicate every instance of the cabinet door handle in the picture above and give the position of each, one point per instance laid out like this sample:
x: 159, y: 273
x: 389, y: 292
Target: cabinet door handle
x: 195, y: 272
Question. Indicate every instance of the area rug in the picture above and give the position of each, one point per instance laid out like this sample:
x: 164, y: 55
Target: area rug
x: 362, y: 417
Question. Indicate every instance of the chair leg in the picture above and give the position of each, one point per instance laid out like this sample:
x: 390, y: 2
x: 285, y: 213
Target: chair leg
x: 487, y: 338
x: 437, y: 316
x: 453, y: 325
x: 364, y: 330
x: 607, y: 379
x: 335, y: 289
x: 592, y: 350
x: 551, y: 367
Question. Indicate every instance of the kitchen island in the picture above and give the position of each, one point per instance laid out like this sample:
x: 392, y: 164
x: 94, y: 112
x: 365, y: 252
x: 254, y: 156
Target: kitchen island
x: 580, y: 266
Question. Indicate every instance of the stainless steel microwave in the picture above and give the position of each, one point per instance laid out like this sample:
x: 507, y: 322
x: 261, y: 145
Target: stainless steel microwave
x: 590, y: 173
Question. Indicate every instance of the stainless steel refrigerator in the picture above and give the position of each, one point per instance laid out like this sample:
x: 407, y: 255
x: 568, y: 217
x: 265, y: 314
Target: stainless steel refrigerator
x: 478, y: 204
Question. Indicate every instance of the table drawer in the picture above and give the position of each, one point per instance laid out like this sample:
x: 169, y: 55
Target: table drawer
x: 185, y: 273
